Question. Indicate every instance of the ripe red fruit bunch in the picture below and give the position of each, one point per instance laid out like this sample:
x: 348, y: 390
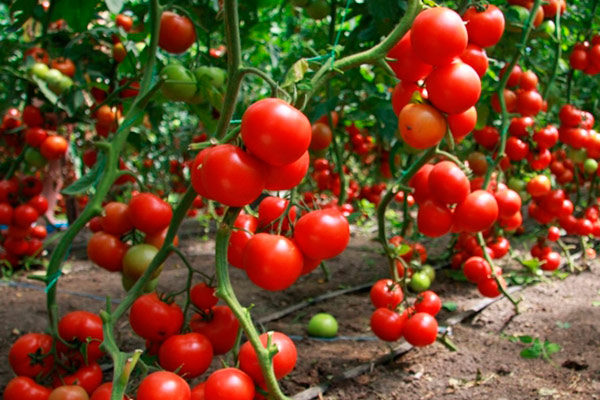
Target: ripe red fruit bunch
x: 550, y: 259
x: 586, y: 56
x: 576, y: 130
x: 413, y: 253
x: 521, y: 94
x: 477, y: 270
x: 21, y: 204
x: 360, y: 141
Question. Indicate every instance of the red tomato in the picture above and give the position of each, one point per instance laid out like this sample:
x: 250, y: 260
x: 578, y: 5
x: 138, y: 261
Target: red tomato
x: 387, y: 324
x: 421, y: 126
x: 529, y: 102
x: 220, y: 326
x: 40, y: 203
x: 510, y: 100
x: 406, y: 64
x: 287, y: 176
x: 485, y: 28
x: 198, y: 391
x: 35, y: 136
x: 81, y: 327
x: 402, y: 95
x: 477, y: 58
x: 509, y: 202
x: 453, y: 88
x: 476, y: 269
x: 54, y: 147
x: 153, y: 319
x: 64, y: 65
x: 104, y: 392
x: 38, y: 54
x: 529, y: 80
x: 177, y: 33
x: 203, y: 296
x: 420, y: 329
x: 20, y: 355
x: 447, y: 183
x: 438, y: 35
x: 272, y: 262
x: 275, y: 131
x: 124, y: 21
x: 228, y: 384
x: 515, y: 76
x: 270, y: 210
x: 32, y: 116
x: 6, y: 213
x: 386, y: 294
x: 89, y: 377
x: 321, y: 136
x: 434, y: 220
x: 539, y: 186
x: 22, y: 387
x: 463, y: 123
x: 107, y: 251
x: 116, y: 219
x: 579, y: 59
x: 516, y: 149
x: 477, y: 212
x: 190, y: 354
x: 499, y: 247
x: 163, y: 385
x: 322, y: 234
x: 428, y: 302
x: 246, y: 225
x: 553, y: 233
x: 487, y: 137
x: 149, y: 213
x: 283, y: 362
x: 546, y: 137
x: 489, y: 287
x: 24, y: 215
x: 420, y: 183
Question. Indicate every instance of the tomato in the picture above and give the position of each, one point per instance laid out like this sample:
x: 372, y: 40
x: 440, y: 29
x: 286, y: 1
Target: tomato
x: 149, y: 213
x: 107, y: 251
x: 421, y: 126
x: 579, y: 59
x: 438, y: 35
x: 387, y: 324
x: 553, y: 7
x: 231, y: 176
x: 6, y: 213
x: 20, y: 355
x: 275, y: 131
x: 309, y: 265
x: 405, y: 63
x: 516, y: 149
x: 220, y: 326
x: 284, y: 360
x: 35, y: 136
x: 158, y: 239
x: 433, y: 219
x: 198, y: 391
x: 529, y: 102
x: 477, y: 163
x: 322, y: 234
x: 463, y: 123
x: 287, y: 176
x: 485, y: 28
x: 428, y: 302
x: 510, y: 100
x: 179, y: 84
x: 529, y: 80
x: 509, y: 202
x: 8, y: 190
x: 447, y: 183
x: 104, y: 392
x: 420, y: 183
x: 32, y: 116
x: 553, y: 233
x: 487, y: 137
x: 499, y: 247
x: 539, y: 186
x: 190, y: 354
x: 546, y: 137
x: 132, y: 88
x: 54, y: 147
x: 420, y: 281
x: 420, y: 329
x: 153, y: 319
x: 402, y: 94
x: 68, y: 392
x: 386, y: 293
x: 163, y: 385
x: 489, y: 288
x: 88, y: 377
x: 65, y: 65
x: 477, y: 58
x: 246, y: 225
x: 322, y: 325
x: 321, y: 136
x: 80, y: 327
x: 22, y: 387
x: 228, y: 384
x: 176, y: 34
x: 116, y: 219
x: 272, y: 262
x: 124, y: 21
x: 24, y: 215
x: 477, y: 212
x: 203, y: 296
x: 137, y: 259
x: 270, y: 210
x: 453, y: 88
x: 39, y: 203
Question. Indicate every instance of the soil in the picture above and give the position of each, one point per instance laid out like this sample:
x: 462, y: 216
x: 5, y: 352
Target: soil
x: 486, y: 365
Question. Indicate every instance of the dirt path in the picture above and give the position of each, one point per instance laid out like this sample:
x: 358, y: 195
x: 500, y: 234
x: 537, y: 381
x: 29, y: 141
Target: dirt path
x: 486, y: 365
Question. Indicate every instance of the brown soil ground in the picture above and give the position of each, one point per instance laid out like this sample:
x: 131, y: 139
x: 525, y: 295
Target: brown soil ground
x: 487, y: 364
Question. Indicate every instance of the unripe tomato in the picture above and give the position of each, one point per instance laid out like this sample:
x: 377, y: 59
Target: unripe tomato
x: 137, y: 260
x: 180, y: 83
x: 322, y: 325
x: 106, y: 250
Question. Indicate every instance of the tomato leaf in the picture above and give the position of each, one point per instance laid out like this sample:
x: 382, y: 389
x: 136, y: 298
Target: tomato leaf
x: 76, y: 13
x: 525, y: 339
x: 531, y: 352
x: 296, y: 73
x: 49, y: 94
x: 450, y: 306
x: 551, y: 348
x: 86, y: 181
x: 114, y: 6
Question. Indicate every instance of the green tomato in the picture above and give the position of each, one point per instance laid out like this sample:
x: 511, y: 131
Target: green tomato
x: 516, y: 17
x: 34, y: 158
x: 323, y: 325
x: 39, y: 70
x: 54, y: 80
x: 137, y: 259
x: 578, y: 156
x: 210, y: 76
x: 128, y: 284
x: 318, y: 9
x: 590, y: 166
x: 429, y: 271
x: 64, y: 84
x: 180, y: 84
x: 420, y: 282
x: 516, y: 184
x: 546, y: 29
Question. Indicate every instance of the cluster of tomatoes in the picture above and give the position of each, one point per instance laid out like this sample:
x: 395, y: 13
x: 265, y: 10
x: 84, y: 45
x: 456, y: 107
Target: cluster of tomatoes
x: 525, y: 99
x: 56, y: 74
x: 586, y: 56
x: 30, y: 127
x: 109, y: 245
x: 21, y: 204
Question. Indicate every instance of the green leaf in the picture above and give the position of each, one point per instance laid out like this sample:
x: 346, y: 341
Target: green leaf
x: 525, y: 339
x: 86, y: 181
x: 531, y: 352
x: 551, y: 348
x: 296, y: 73
x: 534, y: 263
x: 115, y: 6
x: 49, y: 94
x: 77, y: 13
x: 456, y: 275
x: 22, y: 10
x: 450, y: 306
x: 353, y: 217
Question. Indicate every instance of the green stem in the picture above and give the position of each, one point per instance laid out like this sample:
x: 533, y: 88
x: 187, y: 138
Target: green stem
x: 557, y: 56
x: 188, y: 282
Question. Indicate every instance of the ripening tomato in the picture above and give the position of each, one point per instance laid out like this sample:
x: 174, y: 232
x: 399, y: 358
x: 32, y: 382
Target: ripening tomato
x: 487, y: 137
x: 283, y: 362
x: 153, y: 319
x: 275, y: 132
x: 68, y: 392
x: 448, y: 184
x: 476, y: 213
x: 81, y: 327
x: 453, y: 88
x: 287, y: 176
x: 420, y: 329
x: 478, y: 163
x: 22, y: 387
x: 428, y: 302
x: 321, y: 136
x: 54, y: 147
x: 421, y: 126
x: 176, y: 34
x: 163, y: 385
x: 190, y: 354
x: 386, y: 294
x: 477, y: 58
x: 539, y: 186
x: 405, y: 63
x: 38, y: 54
x: 107, y: 251
x: 246, y: 225
x: 219, y: 325
x: 149, y: 213
x: 228, y: 384
x: 29, y: 355
x: 322, y: 234
x: 387, y: 324
x: 438, y: 35
x: 433, y: 219
x: 485, y: 28
x: 272, y: 262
